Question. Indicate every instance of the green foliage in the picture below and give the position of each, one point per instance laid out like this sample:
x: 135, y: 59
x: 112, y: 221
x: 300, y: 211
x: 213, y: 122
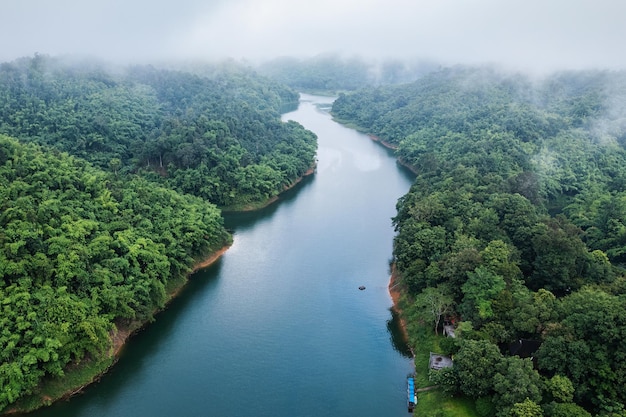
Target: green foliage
x: 447, y: 379
x: 83, y: 250
x: 433, y: 304
x: 560, y: 388
x: 518, y: 207
x: 215, y: 133
x: 476, y: 365
x: 526, y: 408
x: 479, y: 291
x: 564, y: 410
x: 587, y: 346
x: 516, y: 382
x: 80, y: 252
x: 485, y: 407
x: 530, y: 313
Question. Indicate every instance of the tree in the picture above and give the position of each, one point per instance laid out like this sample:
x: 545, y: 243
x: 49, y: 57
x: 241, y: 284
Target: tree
x: 446, y: 378
x: 81, y: 252
x: 561, y: 257
x: 532, y: 312
x: 485, y: 407
x: 526, y: 408
x: 114, y: 165
x: 476, y: 365
x: 497, y: 258
x: 560, y: 389
x: 585, y: 346
x: 555, y: 409
x: 515, y: 382
x: 433, y: 304
x: 480, y: 289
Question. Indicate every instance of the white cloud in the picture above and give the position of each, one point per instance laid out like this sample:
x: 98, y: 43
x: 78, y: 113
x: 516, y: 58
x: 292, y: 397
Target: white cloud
x: 528, y: 34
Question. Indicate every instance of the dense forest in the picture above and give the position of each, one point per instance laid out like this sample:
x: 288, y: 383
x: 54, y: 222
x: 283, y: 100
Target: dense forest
x: 82, y: 254
x: 111, y: 184
x: 214, y: 132
x: 514, y: 231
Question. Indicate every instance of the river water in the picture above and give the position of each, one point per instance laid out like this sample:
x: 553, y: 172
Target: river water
x: 278, y: 327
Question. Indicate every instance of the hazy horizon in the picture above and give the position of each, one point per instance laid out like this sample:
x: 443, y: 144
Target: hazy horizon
x: 529, y: 35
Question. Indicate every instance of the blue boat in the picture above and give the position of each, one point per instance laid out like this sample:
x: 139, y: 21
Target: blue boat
x: 410, y: 393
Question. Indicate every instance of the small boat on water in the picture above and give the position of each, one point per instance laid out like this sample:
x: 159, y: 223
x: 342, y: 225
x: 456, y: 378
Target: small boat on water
x: 410, y: 393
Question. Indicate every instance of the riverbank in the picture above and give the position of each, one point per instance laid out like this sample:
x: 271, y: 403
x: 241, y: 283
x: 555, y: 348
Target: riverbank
x: 263, y: 204
x: 391, y: 146
x: 396, y: 295
x: 123, y: 333
x: 421, y: 342
x: 77, y: 377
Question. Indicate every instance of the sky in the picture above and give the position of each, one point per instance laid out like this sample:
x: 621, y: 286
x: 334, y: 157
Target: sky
x: 525, y: 34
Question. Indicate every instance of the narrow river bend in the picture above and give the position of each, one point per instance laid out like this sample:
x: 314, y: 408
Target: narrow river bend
x: 278, y: 327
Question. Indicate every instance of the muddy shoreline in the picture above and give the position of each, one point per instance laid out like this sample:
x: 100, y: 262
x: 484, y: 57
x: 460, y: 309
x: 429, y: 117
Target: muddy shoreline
x: 396, y: 294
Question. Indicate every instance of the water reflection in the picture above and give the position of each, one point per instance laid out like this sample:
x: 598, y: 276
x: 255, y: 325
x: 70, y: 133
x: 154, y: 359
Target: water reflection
x: 278, y: 323
x: 397, y: 335
x: 244, y: 220
x: 138, y: 353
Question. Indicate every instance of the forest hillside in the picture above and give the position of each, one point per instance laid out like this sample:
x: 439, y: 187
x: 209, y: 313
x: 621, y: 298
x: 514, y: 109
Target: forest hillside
x: 212, y: 131
x: 111, y: 185
x: 514, y: 230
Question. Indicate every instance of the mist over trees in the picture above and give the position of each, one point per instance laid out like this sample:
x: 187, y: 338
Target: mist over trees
x: 110, y: 182
x: 331, y: 73
x: 517, y: 215
x: 515, y: 227
x: 214, y: 132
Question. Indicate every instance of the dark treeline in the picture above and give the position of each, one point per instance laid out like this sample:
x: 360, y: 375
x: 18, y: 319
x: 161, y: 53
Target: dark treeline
x: 330, y: 73
x: 214, y: 133
x: 514, y: 229
x: 110, y: 183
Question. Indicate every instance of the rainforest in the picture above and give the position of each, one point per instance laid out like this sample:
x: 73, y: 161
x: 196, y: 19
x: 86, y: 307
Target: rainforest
x: 111, y: 189
x: 513, y: 232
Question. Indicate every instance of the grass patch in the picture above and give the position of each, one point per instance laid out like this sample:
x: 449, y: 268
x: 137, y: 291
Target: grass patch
x: 437, y: 404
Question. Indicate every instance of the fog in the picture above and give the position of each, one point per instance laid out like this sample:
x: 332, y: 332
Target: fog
x: 534, y: 35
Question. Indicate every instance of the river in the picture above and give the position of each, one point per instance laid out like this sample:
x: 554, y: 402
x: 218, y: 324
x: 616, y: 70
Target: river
x: 278, y: 326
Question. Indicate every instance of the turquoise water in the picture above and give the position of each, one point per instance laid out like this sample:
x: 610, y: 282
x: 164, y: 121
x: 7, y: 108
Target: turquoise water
x: 278, y: 327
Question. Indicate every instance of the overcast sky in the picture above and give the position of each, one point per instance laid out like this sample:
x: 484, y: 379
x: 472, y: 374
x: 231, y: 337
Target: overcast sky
x: 527, y: 34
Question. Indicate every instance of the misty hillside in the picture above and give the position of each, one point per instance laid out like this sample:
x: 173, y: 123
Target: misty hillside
x: 98, y: 224
x: 515, y: 228
x: 331, y: 73
x: 215, y: 134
